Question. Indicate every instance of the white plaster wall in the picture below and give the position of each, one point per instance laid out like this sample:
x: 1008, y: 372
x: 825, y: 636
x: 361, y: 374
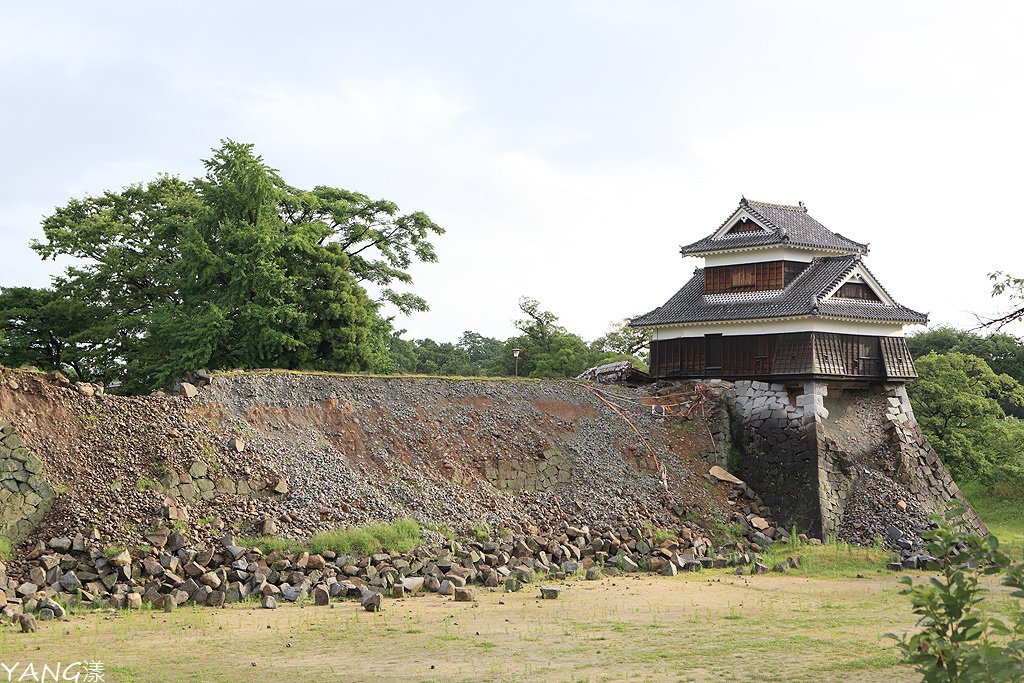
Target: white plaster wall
x: 804, y: 324
x: 777, y: 253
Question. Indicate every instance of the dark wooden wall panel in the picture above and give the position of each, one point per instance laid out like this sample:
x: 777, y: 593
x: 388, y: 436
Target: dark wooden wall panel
x: 897, y: 359
x: 793, y: 354
x: 787, y: 355
x: 792, y: 269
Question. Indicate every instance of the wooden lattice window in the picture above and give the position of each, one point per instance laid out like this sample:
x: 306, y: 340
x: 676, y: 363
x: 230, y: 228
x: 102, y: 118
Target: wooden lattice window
x: 856, y: 290
x: 745, y: 277
x: 745, y: 225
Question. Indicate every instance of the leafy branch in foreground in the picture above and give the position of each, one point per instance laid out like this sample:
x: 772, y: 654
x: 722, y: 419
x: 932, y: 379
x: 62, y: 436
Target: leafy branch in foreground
x: 961, y: 638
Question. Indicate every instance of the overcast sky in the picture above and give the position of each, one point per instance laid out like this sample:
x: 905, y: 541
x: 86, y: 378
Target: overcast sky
x: 569, y: 148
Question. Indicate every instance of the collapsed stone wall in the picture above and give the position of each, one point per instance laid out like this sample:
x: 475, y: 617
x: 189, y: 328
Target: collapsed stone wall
x: 809, y: 448
x: 295, y: 454
x: 874, y: 430
x: 25, y: 495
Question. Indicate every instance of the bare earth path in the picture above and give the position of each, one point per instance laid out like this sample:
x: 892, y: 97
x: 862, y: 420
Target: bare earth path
x: 708, y: 627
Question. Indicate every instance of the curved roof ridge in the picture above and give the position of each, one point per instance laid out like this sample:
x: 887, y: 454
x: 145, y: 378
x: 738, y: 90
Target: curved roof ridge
x: 781, y: 232
x: 783, y: 223
x: 785, y: 207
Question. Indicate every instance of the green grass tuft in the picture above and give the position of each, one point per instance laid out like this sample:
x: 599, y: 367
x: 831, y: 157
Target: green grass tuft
x: 6, y: 548
x: 399, y: 536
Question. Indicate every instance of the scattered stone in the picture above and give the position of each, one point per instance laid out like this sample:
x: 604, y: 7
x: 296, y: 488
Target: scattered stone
x: 269, y: 602
x: 371, y: 602
x: 626, y: 564
x: 61, y: 544
x: 759, y: 523
x: 27, y: 623
x: 122, y: 559
x: 719, y: 474
x: 465, y: 594
x: 549, y: 592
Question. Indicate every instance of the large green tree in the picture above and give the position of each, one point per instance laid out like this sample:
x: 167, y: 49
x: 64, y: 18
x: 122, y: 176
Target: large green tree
x: 236, y: 269
x: 957, y: 402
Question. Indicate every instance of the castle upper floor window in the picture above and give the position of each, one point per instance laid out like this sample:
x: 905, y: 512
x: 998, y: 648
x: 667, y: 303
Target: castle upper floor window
x: 751, y: 277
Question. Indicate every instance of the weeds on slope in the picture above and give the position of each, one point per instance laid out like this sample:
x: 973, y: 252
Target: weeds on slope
x: 399, y: 536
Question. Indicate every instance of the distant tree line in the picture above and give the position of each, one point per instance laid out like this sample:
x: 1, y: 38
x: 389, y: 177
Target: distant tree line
x: 546, y: 349
x: 238, y: 269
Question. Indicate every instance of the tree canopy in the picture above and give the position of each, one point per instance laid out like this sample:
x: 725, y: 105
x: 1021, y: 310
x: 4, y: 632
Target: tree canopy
x: 238, y: 269
x: 957, y: 402
x: 234, y: 269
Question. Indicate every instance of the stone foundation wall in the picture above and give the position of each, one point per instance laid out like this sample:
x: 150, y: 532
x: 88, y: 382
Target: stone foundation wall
x: 804, y: 449
x: 25, y: 495
x: 777, y: 438
x: 917, y: 464
x: 543, y: 474
x: 203, y: 482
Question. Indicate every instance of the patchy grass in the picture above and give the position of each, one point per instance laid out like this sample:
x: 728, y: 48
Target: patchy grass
x: 710, y: 626
x: 1002, y: 508
x: 831, y: 560
x: 146, y: 485
x: 481, y: 531
x: 112, y: 551
x: 400, y: 535
x: 6, y: 548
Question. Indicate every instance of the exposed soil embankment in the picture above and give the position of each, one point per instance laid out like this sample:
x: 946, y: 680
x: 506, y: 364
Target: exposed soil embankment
x: 300, y: 453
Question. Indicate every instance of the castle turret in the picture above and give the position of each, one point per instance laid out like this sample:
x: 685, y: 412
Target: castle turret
x: 813, y: 344
x: 780, y: 297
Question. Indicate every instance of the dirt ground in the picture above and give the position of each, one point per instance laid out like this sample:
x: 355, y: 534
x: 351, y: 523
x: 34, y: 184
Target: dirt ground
x: 707, y: 627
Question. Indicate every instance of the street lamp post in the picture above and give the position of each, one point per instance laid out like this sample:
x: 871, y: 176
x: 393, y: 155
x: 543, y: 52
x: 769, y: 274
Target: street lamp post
x: 516, y: 352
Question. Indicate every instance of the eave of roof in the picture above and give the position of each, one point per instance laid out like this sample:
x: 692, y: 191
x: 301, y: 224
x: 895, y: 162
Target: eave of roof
x: 803, y: 297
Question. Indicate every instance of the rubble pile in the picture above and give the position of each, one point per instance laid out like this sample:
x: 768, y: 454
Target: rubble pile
x: 880, y: 510
x: 169, y: 572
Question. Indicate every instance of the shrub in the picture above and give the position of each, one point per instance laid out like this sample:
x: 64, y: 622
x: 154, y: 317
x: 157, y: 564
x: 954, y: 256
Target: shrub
x: 960, y: 638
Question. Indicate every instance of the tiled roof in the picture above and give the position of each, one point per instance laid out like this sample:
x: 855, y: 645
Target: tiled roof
x: 803, y: 296
x: 790, y: 225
